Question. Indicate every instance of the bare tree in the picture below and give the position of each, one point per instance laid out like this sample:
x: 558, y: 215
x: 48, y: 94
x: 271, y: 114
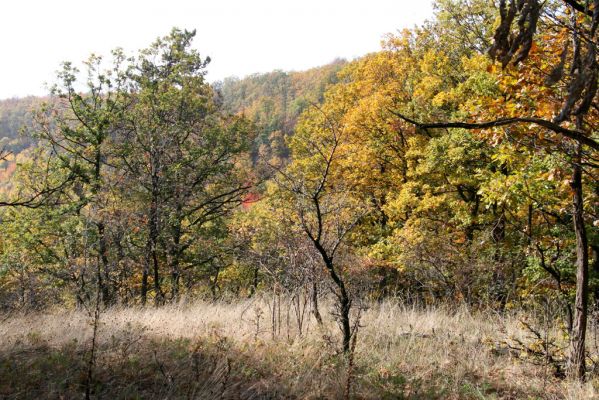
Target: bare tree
x: 326, y: 207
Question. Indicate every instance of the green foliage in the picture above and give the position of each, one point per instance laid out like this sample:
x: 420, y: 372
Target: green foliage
x: 274, y: 102
x: 15, y: 116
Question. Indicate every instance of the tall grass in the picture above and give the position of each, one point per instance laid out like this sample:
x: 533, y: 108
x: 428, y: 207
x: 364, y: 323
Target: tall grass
x: 222, y: 350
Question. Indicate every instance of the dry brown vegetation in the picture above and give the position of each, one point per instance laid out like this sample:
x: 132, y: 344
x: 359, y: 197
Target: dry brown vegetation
x: 230, y: 351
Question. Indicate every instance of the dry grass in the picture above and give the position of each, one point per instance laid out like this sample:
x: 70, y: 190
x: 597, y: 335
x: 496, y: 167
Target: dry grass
x: 220, y: 350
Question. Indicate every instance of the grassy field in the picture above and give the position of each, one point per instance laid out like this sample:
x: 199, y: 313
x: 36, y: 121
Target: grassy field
x: 239, y: 351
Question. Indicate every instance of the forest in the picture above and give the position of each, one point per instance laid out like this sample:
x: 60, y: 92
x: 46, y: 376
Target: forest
x: 421, y: 222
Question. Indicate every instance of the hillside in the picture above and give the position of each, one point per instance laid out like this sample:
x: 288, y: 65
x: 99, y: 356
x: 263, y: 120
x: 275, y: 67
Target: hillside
x: 272, y: 101
x: 16, y: 115
x: 275, y: 100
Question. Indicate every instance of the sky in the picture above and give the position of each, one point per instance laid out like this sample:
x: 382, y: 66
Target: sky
x: 240, y: 36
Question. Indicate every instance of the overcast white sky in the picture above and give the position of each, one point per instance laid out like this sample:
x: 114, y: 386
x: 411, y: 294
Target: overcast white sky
x: 240, y: 36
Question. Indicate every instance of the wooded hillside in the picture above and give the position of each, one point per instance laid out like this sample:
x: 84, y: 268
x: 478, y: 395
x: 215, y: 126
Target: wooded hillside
x: 271, y: 101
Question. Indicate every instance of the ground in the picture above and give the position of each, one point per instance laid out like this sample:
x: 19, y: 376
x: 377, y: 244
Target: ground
x: 242, y: 351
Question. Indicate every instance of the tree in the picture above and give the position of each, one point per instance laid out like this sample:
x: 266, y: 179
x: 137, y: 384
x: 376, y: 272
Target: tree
x: 78, y: 129
x: 184, y: 154
x: 326, y: 209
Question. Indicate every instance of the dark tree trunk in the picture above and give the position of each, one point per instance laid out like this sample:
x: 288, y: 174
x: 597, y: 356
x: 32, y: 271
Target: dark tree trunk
x: 175, y: 251
x: 122, y: 289
x: 104, y: 268
x: 345, y: 305
x: 144, y: 281
x: 152, y: 248
x: 342, y: 297
x: 104, y: 281
x: 315, y: 309
x: 595, y: 269
x: 153, y: 228
x: 578, y: 353
x: 156, y: 271
x: 175, y: 278
x: 214, y: 283
x: 175, y: 258
x: 255, y: 281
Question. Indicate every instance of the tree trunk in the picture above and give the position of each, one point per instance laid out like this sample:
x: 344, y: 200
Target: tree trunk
x: 344, y: 304
x: 175, y: 269
x: 152, y: 248
x: 104, y: 282
x: 122, y: 289
x: 175, y: 277
x: 153, y: 234
x: 578, y: 354
x: 254, y: 285
x: 175, y: 251
x: 144, y: 281
x: 214, y: 282
x: 595, y: 269
x: 159, y: 299
x: 315, y: 309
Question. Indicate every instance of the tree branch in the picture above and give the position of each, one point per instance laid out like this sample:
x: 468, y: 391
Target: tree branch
x: 569, y: 133
x: 579, y: 7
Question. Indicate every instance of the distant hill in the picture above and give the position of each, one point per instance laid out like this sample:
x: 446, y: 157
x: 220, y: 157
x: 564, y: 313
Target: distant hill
x: 273, y: 101
x: 16, y: 115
